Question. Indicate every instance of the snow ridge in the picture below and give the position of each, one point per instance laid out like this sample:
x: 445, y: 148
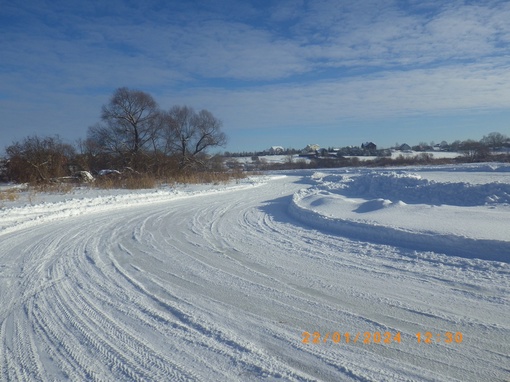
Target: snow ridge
x: 329, y: 205
x: 412, y: 188
x: 19, y: 217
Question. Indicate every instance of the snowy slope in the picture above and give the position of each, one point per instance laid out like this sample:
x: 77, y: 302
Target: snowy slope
x: 220, y: 283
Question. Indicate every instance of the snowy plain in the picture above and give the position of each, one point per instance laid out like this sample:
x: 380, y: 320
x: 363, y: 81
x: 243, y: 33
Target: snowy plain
x: 223, y: 283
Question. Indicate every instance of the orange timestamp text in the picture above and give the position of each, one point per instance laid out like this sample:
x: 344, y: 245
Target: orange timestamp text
x: 379, y: 337
x: 446, y: 337
x: 347, y: 337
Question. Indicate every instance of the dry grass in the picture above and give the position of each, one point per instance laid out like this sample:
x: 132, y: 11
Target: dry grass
x: 207, y: 177
x: 131, y: 182
x: 32, y: 190
x: 10, y: 194
x: 141, y: 181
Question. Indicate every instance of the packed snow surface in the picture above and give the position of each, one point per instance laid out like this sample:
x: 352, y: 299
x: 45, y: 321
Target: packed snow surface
x: 328, y: 275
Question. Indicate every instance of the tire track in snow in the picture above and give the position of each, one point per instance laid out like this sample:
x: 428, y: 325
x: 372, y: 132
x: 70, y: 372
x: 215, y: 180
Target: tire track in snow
x: 205, y: 333
x: 73, y: 314
x: 271, y: 227
x: 221, y: 288
x: 119, y: 344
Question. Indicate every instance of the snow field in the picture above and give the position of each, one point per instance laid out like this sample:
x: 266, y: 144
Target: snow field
x: 221, y: 286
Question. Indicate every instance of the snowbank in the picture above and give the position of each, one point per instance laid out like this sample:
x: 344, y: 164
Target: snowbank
x: 24, y: 212
x: 412, y: 188
x: 404, y: 209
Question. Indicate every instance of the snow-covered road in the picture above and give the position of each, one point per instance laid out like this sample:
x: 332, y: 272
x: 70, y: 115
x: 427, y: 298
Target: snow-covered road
x: 222, y: 286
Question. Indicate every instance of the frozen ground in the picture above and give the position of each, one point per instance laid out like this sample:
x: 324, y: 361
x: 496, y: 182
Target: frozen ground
x: 219, y: 283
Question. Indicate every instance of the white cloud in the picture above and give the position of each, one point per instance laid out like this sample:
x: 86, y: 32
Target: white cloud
x: 234, y: 51
x: 320, y: 34
x: 469, y: 89
x: 382, y: 34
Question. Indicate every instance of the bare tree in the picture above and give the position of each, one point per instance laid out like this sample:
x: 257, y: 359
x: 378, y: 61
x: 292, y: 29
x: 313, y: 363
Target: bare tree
x: 38, y: 159
x: 130, y: 123
x: 474, y: 150
x: 494, y: 140
x: 190, y: 134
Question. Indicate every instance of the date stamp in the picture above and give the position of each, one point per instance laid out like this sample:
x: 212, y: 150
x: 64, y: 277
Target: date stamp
x: 347, y: 337
x: 378, y: 337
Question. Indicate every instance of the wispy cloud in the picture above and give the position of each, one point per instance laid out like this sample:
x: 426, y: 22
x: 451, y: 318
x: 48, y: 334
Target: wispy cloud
x: 473, y: 88
x: 389, y: 36
x: 291, y: 62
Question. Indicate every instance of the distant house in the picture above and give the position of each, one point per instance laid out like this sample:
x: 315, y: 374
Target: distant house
x: 369, y: 146
x: 443, y: 146
x: 310, y: 151
x: 404, y: 147
x: 276, y: 150
x: 312, y: 147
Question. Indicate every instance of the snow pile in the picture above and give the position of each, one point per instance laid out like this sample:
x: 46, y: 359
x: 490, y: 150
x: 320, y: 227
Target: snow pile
x: 412, y: 188
x: 49, y: 207
x: 403, y: 208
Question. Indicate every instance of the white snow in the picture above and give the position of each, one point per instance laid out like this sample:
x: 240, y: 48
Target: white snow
x: 403, y: 208
x: 219, y: 283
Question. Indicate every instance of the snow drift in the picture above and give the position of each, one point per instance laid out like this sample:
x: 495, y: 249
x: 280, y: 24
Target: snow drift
x: 402, y: 208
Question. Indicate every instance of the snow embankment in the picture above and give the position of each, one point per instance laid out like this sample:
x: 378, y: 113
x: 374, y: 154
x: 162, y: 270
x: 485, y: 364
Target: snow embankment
x: 405, y: 209
x: 49, y: 207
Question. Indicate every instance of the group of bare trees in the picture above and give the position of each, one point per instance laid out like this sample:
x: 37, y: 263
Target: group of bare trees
x: 133, y: 133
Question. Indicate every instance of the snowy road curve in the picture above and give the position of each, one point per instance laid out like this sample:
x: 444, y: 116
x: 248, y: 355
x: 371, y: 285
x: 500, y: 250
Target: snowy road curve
x: 221, y: 286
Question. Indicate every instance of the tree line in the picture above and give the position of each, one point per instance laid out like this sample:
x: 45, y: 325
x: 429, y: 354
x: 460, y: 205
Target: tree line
x: 476, y: 150
x: 134, y: 133
x: 492, y: 147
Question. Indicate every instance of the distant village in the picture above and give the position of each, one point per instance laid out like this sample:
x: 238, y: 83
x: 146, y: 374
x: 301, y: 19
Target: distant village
x: 365, y: 149
x: 493, y: 147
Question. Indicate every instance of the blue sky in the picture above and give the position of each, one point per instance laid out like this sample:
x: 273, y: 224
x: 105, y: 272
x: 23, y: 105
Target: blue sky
x: 289, y: 73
